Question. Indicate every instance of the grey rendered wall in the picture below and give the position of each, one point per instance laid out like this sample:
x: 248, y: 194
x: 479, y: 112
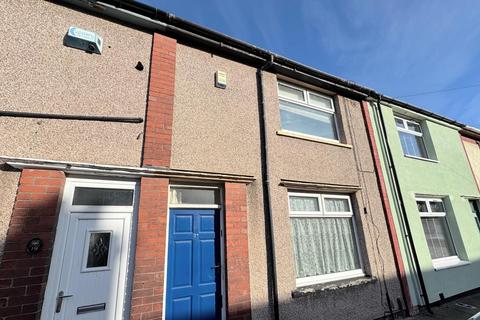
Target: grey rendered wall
x: 8, y: 191
x: 217, y: 130
x: 296, y: 159
x: 39, y: 74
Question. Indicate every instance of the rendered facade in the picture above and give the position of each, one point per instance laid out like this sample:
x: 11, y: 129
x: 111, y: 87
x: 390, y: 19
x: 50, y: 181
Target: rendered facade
x: 182, y: 174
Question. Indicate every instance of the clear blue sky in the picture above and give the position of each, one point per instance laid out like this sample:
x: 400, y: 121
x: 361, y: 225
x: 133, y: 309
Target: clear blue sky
x: 396, y: 47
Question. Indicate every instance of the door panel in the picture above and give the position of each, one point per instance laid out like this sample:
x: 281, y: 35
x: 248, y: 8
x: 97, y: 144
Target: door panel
x: 193, y: 280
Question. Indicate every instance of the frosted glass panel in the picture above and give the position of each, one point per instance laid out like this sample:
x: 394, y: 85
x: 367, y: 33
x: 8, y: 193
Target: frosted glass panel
x: 185, y: 195
x: 98, y: 248
x: 102, y: 197
x: 320, y: 101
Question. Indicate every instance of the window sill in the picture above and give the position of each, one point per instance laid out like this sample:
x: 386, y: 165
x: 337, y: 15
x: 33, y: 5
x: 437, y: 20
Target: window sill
x: 420, y: 158
x: 332, y: 286
x: 449, y: 264
x: 307, y: 137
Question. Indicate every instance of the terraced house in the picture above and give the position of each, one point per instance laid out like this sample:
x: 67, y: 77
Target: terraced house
x: 155, y: 169
x: 433, y: 196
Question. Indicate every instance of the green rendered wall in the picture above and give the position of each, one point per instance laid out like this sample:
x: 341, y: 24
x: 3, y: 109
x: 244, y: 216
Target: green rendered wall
x: 450, y: 178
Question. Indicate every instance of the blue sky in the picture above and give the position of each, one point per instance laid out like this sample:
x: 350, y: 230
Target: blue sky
x: 396, y: 47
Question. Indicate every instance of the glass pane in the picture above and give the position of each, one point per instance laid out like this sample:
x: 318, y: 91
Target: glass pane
x: 323, y: 246
x: 320, y: 101
x: 414, y: 127
x: 475, y: 207
x: 307, y: 120
x: 399, y: 123
x: 437, y: 206
x: 412, y: 145
x: 336, y: 205
x: 304, y: 204
x: 102, y: 197
x: 290, y: 93
x: 98, y: 248
x: 422, y: 206
x: 438, y: 237
x: 185, y: 195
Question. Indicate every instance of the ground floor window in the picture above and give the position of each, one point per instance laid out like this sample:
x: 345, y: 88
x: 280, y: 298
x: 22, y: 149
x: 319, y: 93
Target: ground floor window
x: 437, y: 233
x: 324, y: 238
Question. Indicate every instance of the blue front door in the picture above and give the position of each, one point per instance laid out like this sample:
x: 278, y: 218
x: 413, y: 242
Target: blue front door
x: 193, y: 272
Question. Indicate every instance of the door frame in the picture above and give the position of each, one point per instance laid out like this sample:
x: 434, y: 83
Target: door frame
x: 221, y: 211
x: 56, y: 262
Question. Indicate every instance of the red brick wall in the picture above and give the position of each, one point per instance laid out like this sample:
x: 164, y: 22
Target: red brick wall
x: 236, y: 233
x: 147, y: 295
x: 23, y: 277
x: 158, y: 130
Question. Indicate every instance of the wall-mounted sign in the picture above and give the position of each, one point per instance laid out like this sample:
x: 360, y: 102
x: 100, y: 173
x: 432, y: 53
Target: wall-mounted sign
x: 34, y: 246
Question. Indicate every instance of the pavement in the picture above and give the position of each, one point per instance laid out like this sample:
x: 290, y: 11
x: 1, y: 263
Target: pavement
x: 463, y: 308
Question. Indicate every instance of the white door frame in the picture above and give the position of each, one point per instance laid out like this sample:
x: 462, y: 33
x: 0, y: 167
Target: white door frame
x: 51, y: 291
x: 221, y: 211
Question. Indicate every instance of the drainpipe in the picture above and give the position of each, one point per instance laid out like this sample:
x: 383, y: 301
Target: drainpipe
x: 267, y: 207
x: 403, y: 210
x: 388, y: 213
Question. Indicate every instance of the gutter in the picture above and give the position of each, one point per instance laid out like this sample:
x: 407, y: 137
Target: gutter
x: 156, y: 20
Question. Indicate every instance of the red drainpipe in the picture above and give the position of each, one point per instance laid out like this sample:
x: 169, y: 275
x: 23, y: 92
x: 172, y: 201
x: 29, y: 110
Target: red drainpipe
x: 387, y: 210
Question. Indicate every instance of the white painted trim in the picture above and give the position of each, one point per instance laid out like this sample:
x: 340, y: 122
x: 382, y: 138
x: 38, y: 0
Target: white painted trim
x: 421, y: 158
x: 308, y: 281
x: 308, y: 137
x: 65, y: 214
x: 221, y: 211
x: 448, y: 262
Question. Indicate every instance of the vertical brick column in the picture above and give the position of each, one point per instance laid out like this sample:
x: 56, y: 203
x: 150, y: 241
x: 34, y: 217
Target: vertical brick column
x: 23, y: 277
x: 147, y: 295
x: 158, y: 130
x: 236, y: 233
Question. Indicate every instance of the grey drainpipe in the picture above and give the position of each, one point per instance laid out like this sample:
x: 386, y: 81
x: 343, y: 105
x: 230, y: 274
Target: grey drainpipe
x: 267, y: 208
x: 398, y: 190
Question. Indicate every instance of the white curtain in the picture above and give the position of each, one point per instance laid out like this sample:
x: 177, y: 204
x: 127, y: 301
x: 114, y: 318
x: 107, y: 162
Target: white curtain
x: 303, y: 204
x: 323, y: 246
x: 336, y: 205
x: 438, y: 237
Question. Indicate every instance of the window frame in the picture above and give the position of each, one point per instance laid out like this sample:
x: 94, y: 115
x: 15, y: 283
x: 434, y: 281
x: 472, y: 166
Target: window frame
x: 476, y: 215
x: 443, y: 262
x: 405, y: 129
x: 307, y: 104
x: 319, y: 279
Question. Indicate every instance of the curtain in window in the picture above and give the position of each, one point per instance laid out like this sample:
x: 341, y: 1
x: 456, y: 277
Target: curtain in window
x: 303, y: 203
x: 336, y: 205
x: 413, y: 145
x: 438, y: 237
x: 323, y: 246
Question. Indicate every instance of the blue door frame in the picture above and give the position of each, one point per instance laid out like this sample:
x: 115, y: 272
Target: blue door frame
x: 193, y: 266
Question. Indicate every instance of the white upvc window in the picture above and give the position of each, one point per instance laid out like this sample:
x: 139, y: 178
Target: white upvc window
x: 307, y: 112
x: 475, y: 209
x: 325, y: 242
x: 411, y: 137
x: 437, y: 233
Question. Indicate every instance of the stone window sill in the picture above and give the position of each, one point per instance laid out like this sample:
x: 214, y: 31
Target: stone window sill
x: 331, y: 286
x: 307, y: 137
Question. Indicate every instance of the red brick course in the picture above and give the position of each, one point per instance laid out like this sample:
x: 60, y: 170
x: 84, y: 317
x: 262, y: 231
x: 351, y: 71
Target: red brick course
x: 23, y: 277
x: 147, y: 295
x: 159, y: 118
x: 236, y: 244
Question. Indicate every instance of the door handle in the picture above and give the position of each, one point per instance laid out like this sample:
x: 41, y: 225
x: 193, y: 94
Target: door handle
x: 216, y: 267
x: 60, y: 298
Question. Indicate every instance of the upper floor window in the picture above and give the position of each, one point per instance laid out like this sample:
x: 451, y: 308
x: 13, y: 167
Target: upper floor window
x: 411, y: 137
x: 324, y: 238
x: 475, y: 207
x: 307, y: 112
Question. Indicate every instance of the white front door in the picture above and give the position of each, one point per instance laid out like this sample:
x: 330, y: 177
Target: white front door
x: 88, y: 272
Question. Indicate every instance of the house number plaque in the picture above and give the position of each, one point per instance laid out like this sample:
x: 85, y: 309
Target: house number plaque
x: 34, y: 246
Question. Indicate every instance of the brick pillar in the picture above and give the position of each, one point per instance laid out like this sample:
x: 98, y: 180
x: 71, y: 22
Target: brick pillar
x: 236, y: 233
x: 23, y: 277
x: 158, y: 130
x: 147, y: 295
